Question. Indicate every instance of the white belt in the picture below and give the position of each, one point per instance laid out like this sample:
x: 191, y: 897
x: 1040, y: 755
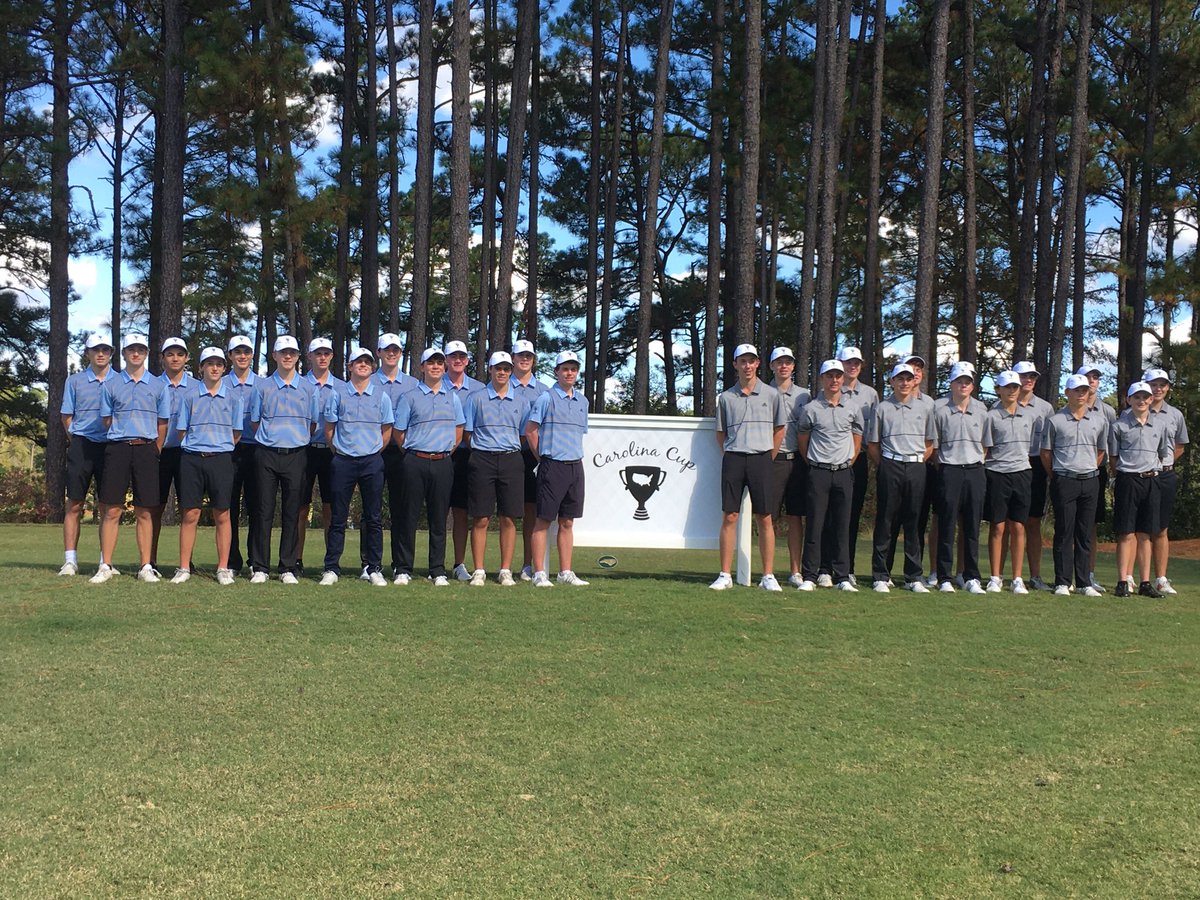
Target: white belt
x: 904, y: 458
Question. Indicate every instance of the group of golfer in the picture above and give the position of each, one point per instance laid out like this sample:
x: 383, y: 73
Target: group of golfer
x: 443, y: 443
x: 802, y: 456
x: 456, y: 448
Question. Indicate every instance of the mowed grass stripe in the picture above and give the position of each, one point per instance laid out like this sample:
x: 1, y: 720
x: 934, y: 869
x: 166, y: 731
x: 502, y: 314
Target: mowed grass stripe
x: 640, y: 736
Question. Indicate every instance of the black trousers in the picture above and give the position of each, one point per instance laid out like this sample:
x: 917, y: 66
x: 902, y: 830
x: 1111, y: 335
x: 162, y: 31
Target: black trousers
x: 427, y: 483
x: 245, y: 482
x: 856, y: 507
x: 1074, y: 504
x: 899, y: 490
x: 346, y: 472
x: 393, y: 477
x: 282, y: 472
x: 830, y: 497
x: 960, y: 502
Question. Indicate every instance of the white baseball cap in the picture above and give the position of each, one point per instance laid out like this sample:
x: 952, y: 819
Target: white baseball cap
x: 286, y: 342
x: 522, y: 346
x: 173, y: 342
x: 320, y: 343
x: 782, y: 351
x: 901, y: 369
x: 567, y: 356
x: 239, y: 340
x: 1024, y: 367
x: 913, y: 358
x: 1154, y: 374
x: 359, y: 352
x: 135, y: 340
x: 1077, y: 381
x: 1086, y: 370
x: 964, y: 363
x: 962, y: 370
x: 388, y: 340
x: 848, y: 353
x: 1007, y: 378
x: 499, y: 357
x: 745, y: 349
x: 1138, y: 387
x: 98, y: 339
x: 455, y: 347
x: 211, y: 353
x: 430, y: 352
x: 832, y: 365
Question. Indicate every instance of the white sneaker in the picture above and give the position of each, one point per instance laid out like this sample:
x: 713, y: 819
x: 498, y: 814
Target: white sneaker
x: 768, y: 583
x: 402, y: 579
x: 70, y: 568
x: 805, y: 585
x: 847, y: 585
x: 440, y: 581
x: 1063, y: 590
x: 364, y: 575
x: 996, y: 584
x: 181, y: 575
x: 147, y: 574
x: 723, y: 583
x: 103, y: 574
x: 1037, y: 584
x: 526, y: 573
x: 541, y: 579
x: 569, y: 577
x: 259, y: 578
x: 796, y: 580
x: 881, y: 587
x: 225, y: 577
x: 1018, y: 586
x: 377, y: 579
x: 917, y: 587
x: 328, y: 578
x: 960, y: 581
x: 504, y: 578
x: 478, y: 578
x: 974, y: 587
x: 946, y: 587
x: 289, y: 578
x: 931, y: 580
x: 1162, y: 583
x: 824, y: 580
x: 1094, y: 584
x: 853, y: 580
x: 1090, y: 591
x: 461, y: 573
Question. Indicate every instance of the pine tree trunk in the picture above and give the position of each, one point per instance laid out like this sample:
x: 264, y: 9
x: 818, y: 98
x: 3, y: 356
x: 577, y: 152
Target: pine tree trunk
x: 812, y: 199
x: 533, y: 249
x: 712, y: 287
x: 368, y: 322
x: 968, y: 342
x: 591, y: 366
x: 487, y: 249
x: 610, y: 212
x: 423, y: 187
x: 744, y: 293
x: 872, y: 311
x: 393, y: 166
x: 460, y: 173
x: 171, y: 151
x: 345, y: 179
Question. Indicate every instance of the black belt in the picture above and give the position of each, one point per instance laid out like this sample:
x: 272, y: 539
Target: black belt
x: 1074, y: 477
x: 137, y: 442
x: 830, y: 467
x: 564, y: 462
x: 206, y: 454
x: 786, y: 454
x: 962, y: 465
x: 1168, y: 468
x: 284, y: 451
x: 1150, y: 474
x: 494, y: 452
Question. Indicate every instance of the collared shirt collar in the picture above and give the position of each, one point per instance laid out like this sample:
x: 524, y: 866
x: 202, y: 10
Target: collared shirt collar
x: 313, y: 378
x: 426, y: 389
x: 492, y: 395
x: 250, y: 376
x: 753, y: 391
x: 146, y: 376
x: 383, y: 379
x: 280, y: 382
x: 91, y: 374
x: 368, y: 390
x: 183, y: 382
x: 572, y: 396
x: 220, y: 388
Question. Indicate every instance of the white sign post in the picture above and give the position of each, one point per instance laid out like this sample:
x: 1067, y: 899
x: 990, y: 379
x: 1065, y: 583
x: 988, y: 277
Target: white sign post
x: 655, y: 481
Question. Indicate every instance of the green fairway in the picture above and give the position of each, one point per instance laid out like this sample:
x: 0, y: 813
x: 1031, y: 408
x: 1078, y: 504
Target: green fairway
x: 640, y: 736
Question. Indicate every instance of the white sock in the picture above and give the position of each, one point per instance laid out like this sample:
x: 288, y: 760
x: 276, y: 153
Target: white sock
x: 71, y: 556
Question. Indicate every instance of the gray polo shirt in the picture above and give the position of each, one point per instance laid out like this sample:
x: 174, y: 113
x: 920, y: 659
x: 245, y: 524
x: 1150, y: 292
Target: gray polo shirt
x: 1177, y: 433
x: 865, y: 397
x: 901, y: 429
x: 749, y: 420
x: 963, y: 436
x: 830, y: 430
x: 1013, y: 439
x: 1042, y: 412
x: 1073, y: 444
x: 794, y: 399
x: 1135, y: 447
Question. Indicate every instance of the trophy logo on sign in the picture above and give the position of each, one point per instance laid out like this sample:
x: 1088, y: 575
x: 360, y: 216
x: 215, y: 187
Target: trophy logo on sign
x: 642, y: 482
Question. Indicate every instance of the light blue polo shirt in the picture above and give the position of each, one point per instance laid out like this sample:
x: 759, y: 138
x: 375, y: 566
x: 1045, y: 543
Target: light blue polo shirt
x: 245, y: 390
x: 463, y: 391
x: 81, y: 401
x: 496, y: 423
x: 358, y: 417
x: 176, y: 392
x: 135, y: 406
x: 402, y: 384
x: 285, y: 413
x: 528, y: 392
x: 323, y: 392
x: 209, y: 420
x: 562, y: 422
x: 428, y: 419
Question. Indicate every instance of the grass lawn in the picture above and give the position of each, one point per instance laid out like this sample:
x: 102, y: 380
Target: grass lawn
x: 643, y: 736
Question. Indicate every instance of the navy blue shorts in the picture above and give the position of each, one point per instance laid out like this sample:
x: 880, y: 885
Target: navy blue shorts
x: 560, y: 489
